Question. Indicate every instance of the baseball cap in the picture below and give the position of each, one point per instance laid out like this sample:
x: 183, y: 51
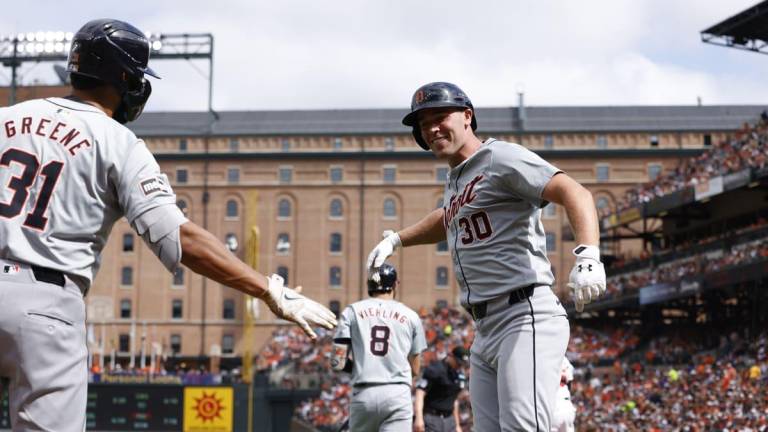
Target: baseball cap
x: 461, y: 353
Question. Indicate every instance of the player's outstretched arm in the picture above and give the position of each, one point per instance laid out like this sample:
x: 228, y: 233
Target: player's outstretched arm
x: 587, y: 279
x: 204, y: 254
x: 428, y: 230
x: 418, y: 410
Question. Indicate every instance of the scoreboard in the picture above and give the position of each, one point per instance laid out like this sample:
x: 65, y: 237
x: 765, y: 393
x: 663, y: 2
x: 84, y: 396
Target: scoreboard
x: 151, y: 407
x: 135, y: 407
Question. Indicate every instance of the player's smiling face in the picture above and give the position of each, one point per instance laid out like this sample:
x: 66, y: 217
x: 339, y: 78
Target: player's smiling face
x: 444, y: 130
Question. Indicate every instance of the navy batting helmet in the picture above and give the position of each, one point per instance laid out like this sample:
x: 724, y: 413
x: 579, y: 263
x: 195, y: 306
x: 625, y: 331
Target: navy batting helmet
x: 117, y: 53
x: 436, y: 95
x: 387, y: 280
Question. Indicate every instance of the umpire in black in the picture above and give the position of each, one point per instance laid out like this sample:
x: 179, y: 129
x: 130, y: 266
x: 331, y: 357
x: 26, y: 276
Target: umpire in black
x: 436, y: 407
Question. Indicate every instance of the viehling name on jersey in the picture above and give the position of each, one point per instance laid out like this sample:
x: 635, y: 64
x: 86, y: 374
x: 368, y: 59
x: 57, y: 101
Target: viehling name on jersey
x: 382, y: 313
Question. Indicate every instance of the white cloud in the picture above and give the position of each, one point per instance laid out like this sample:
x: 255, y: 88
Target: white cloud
x: 302, y: 54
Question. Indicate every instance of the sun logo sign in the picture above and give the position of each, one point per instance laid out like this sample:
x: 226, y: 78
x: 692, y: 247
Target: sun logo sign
x: 208, y: 409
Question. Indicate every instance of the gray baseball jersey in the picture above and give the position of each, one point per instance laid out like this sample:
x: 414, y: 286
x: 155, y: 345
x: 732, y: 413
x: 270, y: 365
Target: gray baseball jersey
x: 383, y: 333
x: 68, y: 173
x: 493, y: 204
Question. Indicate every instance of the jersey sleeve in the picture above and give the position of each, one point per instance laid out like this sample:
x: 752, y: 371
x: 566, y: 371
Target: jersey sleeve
x: 419, y: 342
x: 522, y: 171
x: 344, y: 324
x: 426, y: 379
x: 141, y: 186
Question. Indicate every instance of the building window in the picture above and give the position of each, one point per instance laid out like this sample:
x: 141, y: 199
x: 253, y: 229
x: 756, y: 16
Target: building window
x: 389, y: 175
x: 441, y: 278
x: 286, y: 175
x: 441, y: 174
x: 335, y: 242
x: 283, y: 245
x: 232, y: 209
x: 653, y: 140
x: 549, y: 142
x: 602, y: 172
x: 234, y: 145
x: 549, y: 211
x: 182, y: 205
x: 337, y: 143
x: 125, y: 308
x: 390, y: 208
x: 282, y: 271
x: 177, y: 308
x: 126, y: 276
x: 286, y: 145
x: 334, y: 278
x: 181, y: 176
x: 228, y: 311
x: 337, y: 208
x: 175, y: 344
x: 178, y: 276
x: 230, y: 241
x: 441, y: 304
x: 602, y: 142
x: 337, y: 175
x: 654, y: 170
x: 335, y: 307
x: 128, y: 242
x: 551, y: 244
x: 124, y: 342
x: 707, y: 140
x: 442, y: 246
x: 227, y: 344
x: 389, y: 144
x: 284, y: 208
x: 602, y: 203
x: 182, y: 145
x: 233, y: 175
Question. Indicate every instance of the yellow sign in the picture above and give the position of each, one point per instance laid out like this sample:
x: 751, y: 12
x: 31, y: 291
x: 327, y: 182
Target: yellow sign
x: 208, y: 409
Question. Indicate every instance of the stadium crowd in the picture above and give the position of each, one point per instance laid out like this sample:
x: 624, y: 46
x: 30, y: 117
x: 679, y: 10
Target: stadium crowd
x: 748, y: 148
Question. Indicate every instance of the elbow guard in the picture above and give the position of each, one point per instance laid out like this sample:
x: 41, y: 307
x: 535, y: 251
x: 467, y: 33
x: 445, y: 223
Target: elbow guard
x: 340, y: 356
x: 159, y: 228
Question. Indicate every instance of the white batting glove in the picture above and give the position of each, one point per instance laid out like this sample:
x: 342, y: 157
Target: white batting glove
x: 587, y: 279
x: 381, y: 252
x: 292, y: 306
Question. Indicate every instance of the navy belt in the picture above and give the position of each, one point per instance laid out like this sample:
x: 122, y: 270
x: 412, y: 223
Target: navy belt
x: 480, y: 310
x: 47, y: 275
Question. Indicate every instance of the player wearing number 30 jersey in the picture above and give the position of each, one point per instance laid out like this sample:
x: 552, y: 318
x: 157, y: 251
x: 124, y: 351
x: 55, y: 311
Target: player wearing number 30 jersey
x: 386, y: 339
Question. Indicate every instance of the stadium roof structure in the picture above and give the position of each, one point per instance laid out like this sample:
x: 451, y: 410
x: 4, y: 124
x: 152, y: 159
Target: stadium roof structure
x: 508, y: 120
x: 747, y: 30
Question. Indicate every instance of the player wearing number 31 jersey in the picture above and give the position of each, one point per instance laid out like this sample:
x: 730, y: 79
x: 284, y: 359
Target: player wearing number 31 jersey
x: 386, y: 339
x: 69, y: 170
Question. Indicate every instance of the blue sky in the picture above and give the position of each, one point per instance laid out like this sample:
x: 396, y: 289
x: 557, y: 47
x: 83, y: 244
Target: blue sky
x: 301, y: 54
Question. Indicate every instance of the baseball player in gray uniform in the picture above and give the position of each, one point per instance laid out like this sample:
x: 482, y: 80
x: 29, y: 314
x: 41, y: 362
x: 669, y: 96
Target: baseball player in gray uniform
x: 69, y: 170
x: 380, y: 341
x: 491, y: 220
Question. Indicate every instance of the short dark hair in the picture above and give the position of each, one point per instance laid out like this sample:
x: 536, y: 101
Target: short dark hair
x: 82, y: 82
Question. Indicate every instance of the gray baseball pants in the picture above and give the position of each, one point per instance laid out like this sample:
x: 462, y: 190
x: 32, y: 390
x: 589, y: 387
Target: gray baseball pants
x: 515, y: 364
x: 384, y: 408
x: 436, y: 423
x: 42, y: 351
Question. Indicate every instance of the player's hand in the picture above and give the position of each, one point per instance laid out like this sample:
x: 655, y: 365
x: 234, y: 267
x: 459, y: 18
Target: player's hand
x: 587, y: 279
x: 418, y: 425
x: 292, y: 306
x: 381, y: 252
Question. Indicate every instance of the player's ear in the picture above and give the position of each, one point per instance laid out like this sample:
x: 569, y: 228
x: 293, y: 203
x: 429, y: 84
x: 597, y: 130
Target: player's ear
x: 468, y: 117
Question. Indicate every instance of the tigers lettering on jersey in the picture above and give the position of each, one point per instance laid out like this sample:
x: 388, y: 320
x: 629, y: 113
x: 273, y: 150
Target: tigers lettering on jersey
x: 457, y: 202
x: 44, y: 128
